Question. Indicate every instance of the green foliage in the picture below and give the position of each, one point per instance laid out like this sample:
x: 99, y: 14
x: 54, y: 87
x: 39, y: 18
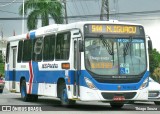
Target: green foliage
x: 43, y: 9
x: 2, y: 68
x: 154, y: 60
x: 1, y: 65
x: 1, y: 59
x: 156, y: 75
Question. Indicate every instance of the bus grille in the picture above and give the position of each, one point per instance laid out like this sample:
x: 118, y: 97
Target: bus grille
x: 114, y: 81
x: 127, y: 95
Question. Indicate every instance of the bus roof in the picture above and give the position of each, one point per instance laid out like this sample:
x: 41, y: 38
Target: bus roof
x: 53, y: 28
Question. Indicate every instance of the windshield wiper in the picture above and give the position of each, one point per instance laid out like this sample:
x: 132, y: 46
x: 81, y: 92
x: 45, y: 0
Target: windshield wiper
x: 106, y: 44
x: 109, y: 48
x: 127, y: 47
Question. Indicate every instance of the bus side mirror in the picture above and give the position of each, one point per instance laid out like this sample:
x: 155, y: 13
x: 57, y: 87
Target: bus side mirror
x: 81, y: 47
x: 150, y: 44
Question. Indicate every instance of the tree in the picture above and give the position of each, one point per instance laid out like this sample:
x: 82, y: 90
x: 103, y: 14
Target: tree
x: 1, y: 65
x: 1, y: 58
x: 43, y: 9
x: 154, y: 61
x: 156, y: 74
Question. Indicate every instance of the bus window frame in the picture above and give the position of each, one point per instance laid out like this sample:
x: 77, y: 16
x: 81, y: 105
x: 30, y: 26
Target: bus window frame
x: 56, y: 50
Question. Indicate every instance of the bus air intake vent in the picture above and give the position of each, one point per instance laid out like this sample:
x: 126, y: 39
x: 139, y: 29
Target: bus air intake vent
x: 127, y: 95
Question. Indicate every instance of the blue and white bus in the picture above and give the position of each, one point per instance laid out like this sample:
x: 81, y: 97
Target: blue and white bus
x: 88, y: 61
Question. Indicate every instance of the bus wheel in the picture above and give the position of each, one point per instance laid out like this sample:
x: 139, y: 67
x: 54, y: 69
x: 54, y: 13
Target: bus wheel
x: 64, y: 97
x: 24, y: 95
x: 157, y: 102
x: 1, y: 90
x: 33, y: 98
x: 116, y: 105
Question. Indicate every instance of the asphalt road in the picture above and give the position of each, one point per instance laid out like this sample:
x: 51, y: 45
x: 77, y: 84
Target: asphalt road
x: 12, y: 102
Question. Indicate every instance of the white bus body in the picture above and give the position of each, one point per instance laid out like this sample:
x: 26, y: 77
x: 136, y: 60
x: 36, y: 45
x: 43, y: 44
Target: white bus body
x: 55, y: 61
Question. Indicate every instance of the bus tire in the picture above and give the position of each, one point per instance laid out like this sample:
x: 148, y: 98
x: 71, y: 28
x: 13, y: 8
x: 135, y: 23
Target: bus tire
x: 33, y: 98
x: 157, y: 102
x: 116, y: 105
x: 23, y: 89
x: 1, y: 90
x: 64, y: 97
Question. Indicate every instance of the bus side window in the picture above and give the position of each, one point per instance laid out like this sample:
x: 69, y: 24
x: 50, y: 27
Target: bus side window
x: 37, y: 49
x: 63, y: 46
x: 7, y: 53
x: 58, y: 46
x: 75, y: 54
x: 49, y: 47
x: 20, y: 48
x: 52, y: 47
x: 46, y: 49
x: 27, y: 50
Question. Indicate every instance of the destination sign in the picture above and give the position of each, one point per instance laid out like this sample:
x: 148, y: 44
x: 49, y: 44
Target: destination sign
x: 96, y: 65
x: 113, y: 29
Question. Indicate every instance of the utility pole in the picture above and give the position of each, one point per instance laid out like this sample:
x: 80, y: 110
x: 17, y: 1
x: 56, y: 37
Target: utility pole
x: 107, y: 8
x: 104, y: 10
x: 65, y: 11
x: 23, y: 19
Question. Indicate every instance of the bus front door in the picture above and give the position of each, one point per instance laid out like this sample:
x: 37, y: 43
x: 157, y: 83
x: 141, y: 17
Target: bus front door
x: 77, y: 67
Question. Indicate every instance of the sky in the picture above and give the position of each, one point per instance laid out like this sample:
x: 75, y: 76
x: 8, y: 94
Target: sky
x: 145, y: 12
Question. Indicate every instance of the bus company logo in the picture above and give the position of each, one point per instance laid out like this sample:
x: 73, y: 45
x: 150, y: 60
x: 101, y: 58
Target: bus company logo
x: 6, y: 108
x: 119, y: 87
x: 48, y: 65
x: 119, y: 77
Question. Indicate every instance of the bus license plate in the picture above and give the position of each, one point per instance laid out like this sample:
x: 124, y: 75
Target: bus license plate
x: 118, y: 98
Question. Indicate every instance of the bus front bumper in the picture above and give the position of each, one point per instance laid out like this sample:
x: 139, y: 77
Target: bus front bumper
x: 87, y: 94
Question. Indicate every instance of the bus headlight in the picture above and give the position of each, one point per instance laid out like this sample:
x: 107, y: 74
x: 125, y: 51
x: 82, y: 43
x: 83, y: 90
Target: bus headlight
x: 89, y: 83
x: 144, y: 84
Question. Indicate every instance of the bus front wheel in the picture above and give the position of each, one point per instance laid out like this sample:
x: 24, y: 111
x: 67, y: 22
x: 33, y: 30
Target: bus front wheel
x: 64, y: 97
x: 157, y: 102
x: 1, y: 90
x: 116, y: 105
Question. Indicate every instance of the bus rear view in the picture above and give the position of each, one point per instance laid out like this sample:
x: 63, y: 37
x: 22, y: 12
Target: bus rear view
x: 116, y: 63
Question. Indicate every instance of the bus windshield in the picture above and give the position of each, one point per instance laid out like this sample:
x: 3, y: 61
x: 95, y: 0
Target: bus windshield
x: 115, y: 56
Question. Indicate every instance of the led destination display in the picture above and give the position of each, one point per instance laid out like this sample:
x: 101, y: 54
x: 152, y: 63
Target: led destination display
x: 114, y: 29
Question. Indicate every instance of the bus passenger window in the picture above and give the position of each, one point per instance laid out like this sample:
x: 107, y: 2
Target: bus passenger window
x: 20, y: 48
x: 49, y: 47
x: 63, y: 46
x: 27, y: 50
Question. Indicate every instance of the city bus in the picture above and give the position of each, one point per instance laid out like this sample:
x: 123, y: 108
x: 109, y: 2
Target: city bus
x: 103, y: 61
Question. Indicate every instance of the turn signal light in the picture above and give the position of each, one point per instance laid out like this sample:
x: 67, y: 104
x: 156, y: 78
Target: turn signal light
x: 65, y: 66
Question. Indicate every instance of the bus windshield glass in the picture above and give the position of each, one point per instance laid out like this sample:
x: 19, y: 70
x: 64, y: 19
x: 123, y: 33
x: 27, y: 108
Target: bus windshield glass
x: 115, y: 56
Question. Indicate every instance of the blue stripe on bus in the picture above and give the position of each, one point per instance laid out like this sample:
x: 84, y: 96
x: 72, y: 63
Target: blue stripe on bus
x: 32, y: 35
x: 53, y: 76
x: 43, y: 76
x: 35, y: 88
